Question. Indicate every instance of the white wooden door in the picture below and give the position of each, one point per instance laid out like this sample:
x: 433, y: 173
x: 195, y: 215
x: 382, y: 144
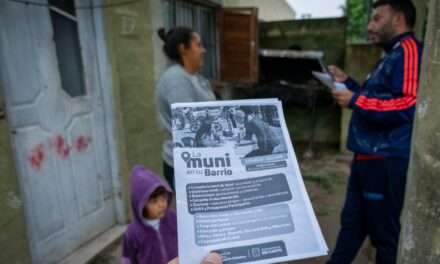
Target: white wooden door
x: 54, y: 100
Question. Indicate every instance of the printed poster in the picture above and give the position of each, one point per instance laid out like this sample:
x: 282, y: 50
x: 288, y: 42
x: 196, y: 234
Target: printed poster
x: 238, y: 185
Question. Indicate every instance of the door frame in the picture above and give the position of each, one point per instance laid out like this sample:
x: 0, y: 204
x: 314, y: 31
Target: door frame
x: 106, y: 80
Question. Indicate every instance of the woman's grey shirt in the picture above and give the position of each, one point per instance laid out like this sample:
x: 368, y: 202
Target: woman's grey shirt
x: 178, y: 86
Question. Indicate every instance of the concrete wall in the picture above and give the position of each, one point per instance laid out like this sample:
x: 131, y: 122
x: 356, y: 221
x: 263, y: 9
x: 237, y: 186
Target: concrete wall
x: 13, y: 240
x: 420, y: 238
x: 422, y: 17
x: 327, y: 35
x: 326, y: 129
x: 129, y: 37
x: 158, y: 21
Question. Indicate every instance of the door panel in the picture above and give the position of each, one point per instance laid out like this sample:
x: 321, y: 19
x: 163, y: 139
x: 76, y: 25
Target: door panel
x: 90, y: 51
x: 39, y: 166
x: 88, y: 189
x: 238, y: 29
x: 20, y: 57
x: 60, y: 141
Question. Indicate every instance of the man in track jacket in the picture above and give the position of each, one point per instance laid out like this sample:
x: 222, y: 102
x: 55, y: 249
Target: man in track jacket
x: 380, y: 134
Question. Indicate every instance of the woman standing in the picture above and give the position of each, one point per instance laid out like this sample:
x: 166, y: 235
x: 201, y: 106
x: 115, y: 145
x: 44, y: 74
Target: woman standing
x: 181, y: 82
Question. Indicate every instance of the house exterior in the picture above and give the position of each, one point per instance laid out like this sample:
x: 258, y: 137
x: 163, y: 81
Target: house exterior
x: 77, y: 111
x: 62, y: 155
x: 268, y: 10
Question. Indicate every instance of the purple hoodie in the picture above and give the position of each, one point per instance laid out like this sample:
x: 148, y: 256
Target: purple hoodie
x: 142, y: 244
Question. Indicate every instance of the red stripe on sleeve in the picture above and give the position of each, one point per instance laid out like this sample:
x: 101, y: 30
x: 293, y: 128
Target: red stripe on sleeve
x: 410, y: 84
x: 406, y: 60
x: 415, y: 69
x: 385, y: 105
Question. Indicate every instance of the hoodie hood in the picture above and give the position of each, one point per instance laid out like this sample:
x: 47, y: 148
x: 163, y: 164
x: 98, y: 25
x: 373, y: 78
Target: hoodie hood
x: 143, y: 183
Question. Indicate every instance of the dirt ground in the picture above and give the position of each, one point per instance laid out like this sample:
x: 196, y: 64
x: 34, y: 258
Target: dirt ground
x: 325, y: 177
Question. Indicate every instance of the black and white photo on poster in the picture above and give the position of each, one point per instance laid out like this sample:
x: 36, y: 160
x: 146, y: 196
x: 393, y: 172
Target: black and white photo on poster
x: 253, y: 131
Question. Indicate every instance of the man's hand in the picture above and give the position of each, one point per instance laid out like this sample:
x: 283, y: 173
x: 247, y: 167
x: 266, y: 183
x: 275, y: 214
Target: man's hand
x: 338, y: 74
x: 342, y: 96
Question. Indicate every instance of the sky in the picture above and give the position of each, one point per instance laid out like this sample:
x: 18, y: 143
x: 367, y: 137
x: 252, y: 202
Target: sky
x: 317, y: 8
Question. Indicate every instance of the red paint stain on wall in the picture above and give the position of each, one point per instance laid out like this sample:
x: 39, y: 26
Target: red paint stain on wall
x: 37, y: 157
x: 82, y: 143
x: 61, y: 147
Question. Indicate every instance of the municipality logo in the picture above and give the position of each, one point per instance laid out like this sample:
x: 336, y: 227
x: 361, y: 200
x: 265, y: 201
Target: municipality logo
x: 209, y: 166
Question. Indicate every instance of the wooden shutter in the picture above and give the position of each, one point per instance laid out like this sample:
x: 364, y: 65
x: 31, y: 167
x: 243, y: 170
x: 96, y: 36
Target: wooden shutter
x: 238, y: 33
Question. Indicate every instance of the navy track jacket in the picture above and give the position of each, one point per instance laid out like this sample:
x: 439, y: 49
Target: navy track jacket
x: 384, y: 107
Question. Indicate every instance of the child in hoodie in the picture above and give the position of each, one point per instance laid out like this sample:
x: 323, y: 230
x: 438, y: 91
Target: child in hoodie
x: 151, y: 238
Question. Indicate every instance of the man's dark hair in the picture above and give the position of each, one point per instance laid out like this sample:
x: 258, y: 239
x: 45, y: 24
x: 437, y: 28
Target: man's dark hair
x: 173, y: 39
x: 406, y: 7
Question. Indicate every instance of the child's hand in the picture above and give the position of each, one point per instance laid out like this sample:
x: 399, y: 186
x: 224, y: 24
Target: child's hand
x: 174, y: 261
x: 213, y: 258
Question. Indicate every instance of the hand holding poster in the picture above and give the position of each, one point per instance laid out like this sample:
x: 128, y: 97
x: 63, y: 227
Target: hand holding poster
x: 238, y: 185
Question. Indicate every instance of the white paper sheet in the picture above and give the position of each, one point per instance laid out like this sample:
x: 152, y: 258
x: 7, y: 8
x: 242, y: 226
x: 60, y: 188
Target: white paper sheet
x: 327, y: 80
x: 238, y: 184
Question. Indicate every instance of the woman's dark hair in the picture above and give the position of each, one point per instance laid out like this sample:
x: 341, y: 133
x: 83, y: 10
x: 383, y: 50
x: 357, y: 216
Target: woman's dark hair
x: 173, y: 39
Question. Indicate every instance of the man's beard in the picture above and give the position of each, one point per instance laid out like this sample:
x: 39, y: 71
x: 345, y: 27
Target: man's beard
x: 384, y: 36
